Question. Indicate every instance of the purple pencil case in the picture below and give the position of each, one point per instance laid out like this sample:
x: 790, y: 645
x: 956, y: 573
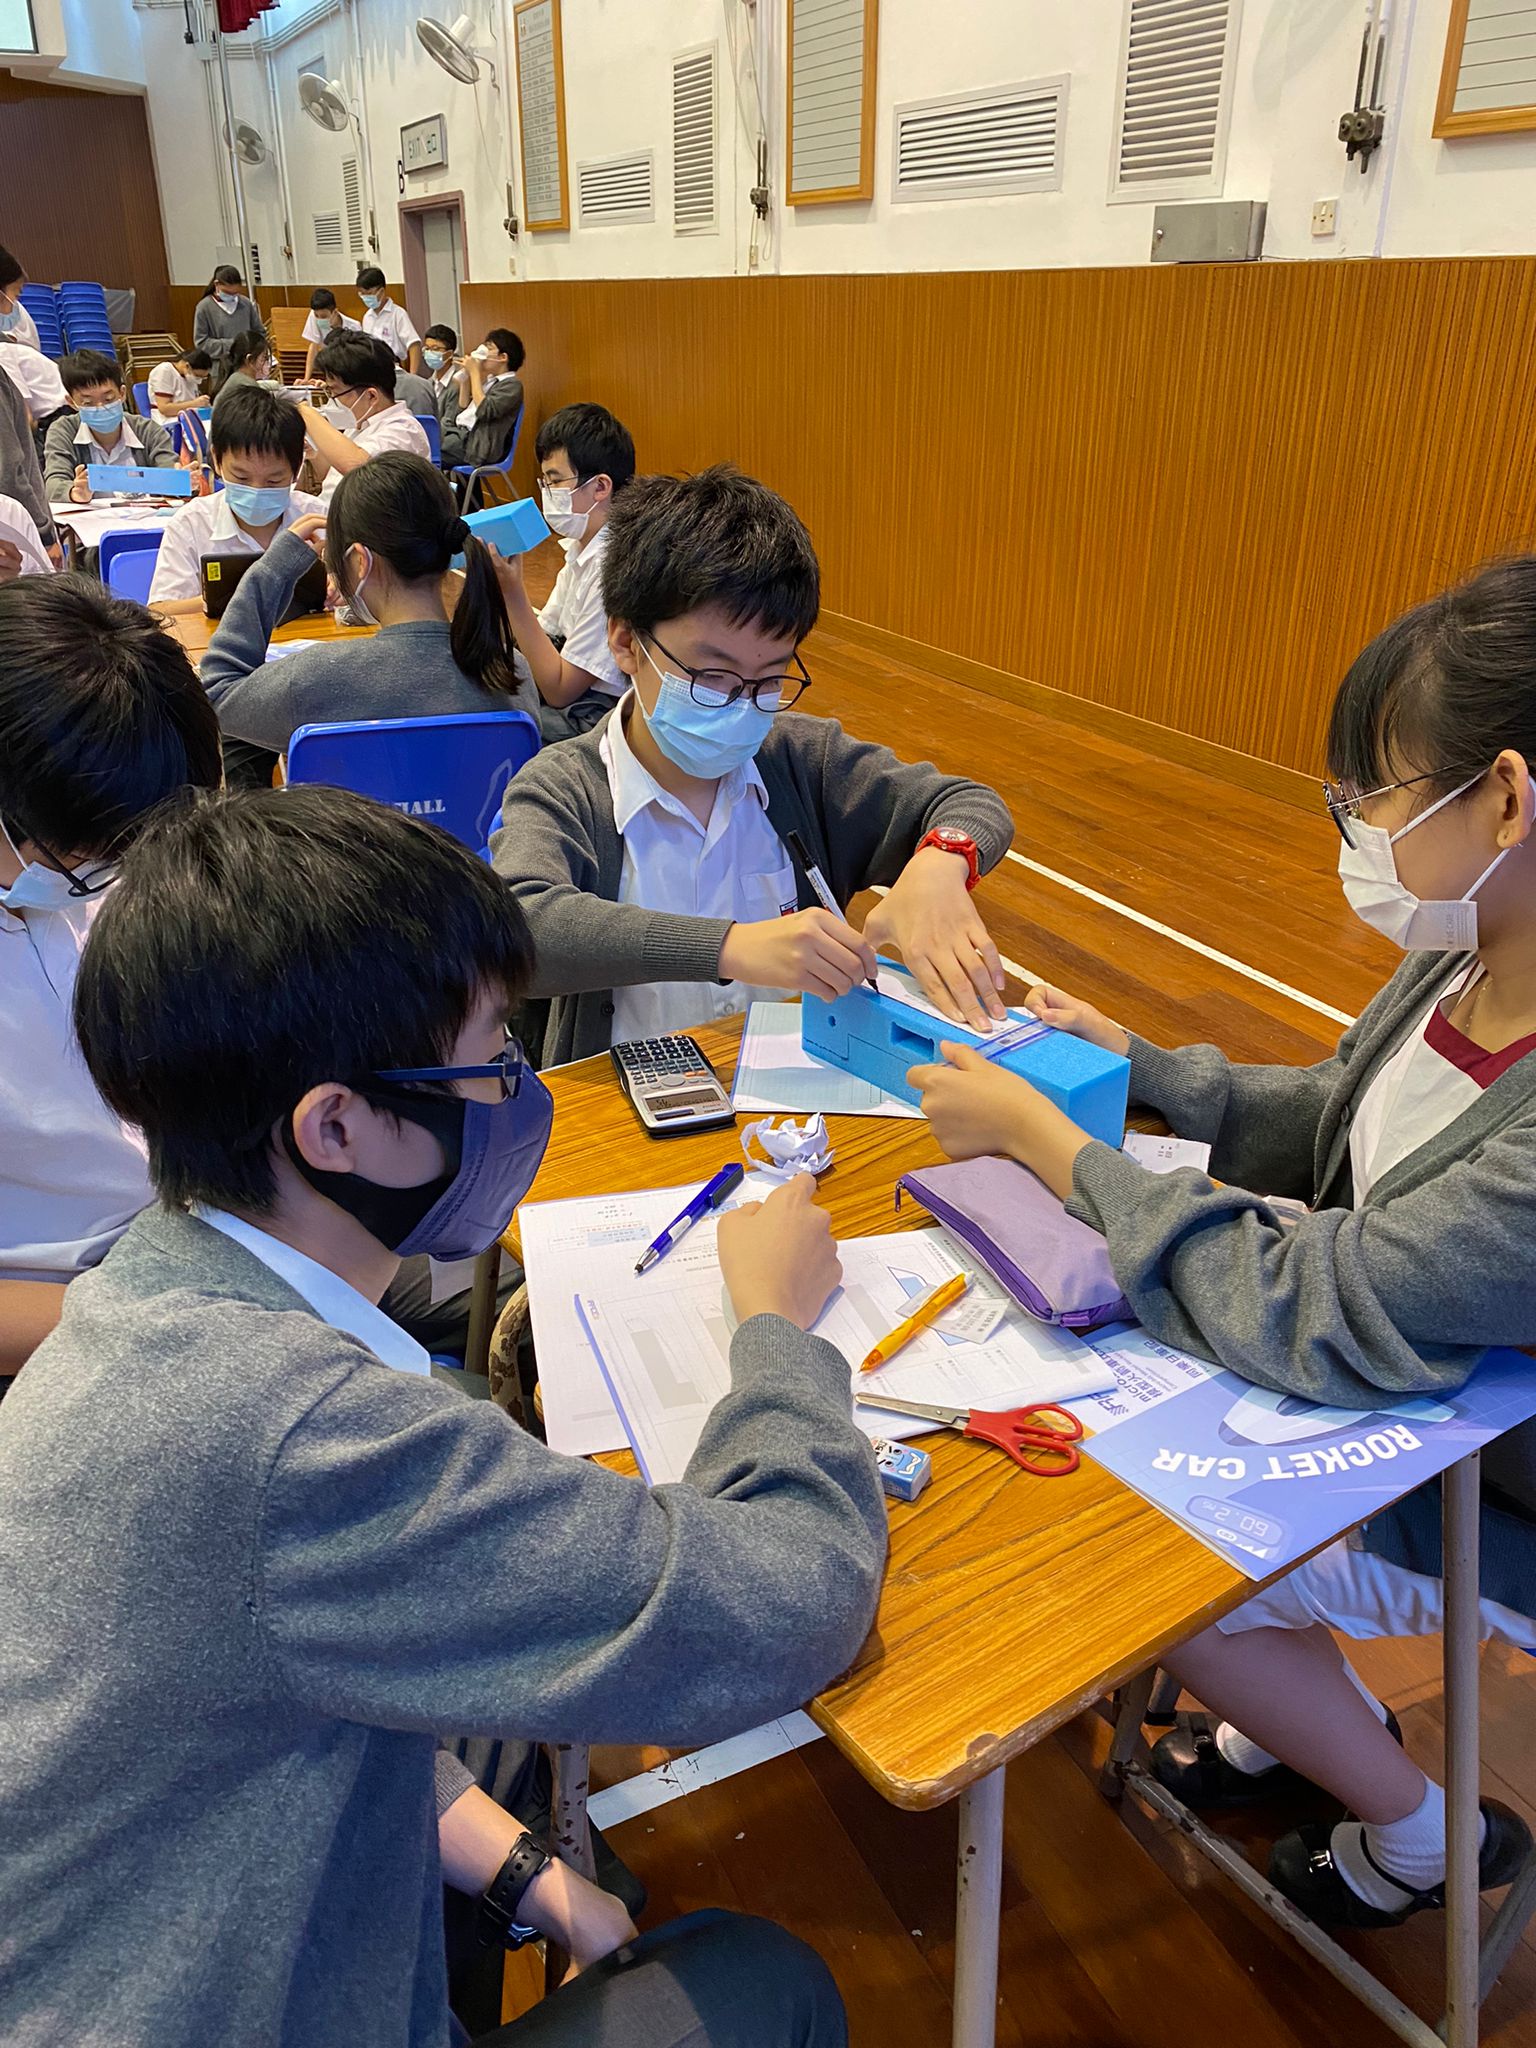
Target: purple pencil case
x: 1010, y: 1223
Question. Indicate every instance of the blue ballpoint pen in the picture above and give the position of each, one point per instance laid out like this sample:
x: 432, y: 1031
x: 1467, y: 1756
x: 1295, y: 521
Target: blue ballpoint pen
x: 710, y: 1196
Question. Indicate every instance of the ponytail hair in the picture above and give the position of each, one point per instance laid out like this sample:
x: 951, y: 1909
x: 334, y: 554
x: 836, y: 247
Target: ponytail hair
x: 399, y: 507
x: 225, y: 275
x: 247, y: 346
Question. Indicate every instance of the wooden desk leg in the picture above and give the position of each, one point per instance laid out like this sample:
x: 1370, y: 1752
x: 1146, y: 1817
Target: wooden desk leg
x: 482, y: 1310
x: 978, y: 1899
x: 1460, y: 1646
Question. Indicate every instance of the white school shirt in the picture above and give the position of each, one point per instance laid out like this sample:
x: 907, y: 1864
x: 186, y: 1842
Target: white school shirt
x: 166, y: 381
x: 334, y: 1300
x: 72, y: 1177
x: 392, y: 325
x: 396, y: 426
x: 575, y: 608
x: 125, y: 452
x: 1434, y: 1076
x: 471, y: 412
x: 207, y: 526
x: 37, y: 378
x: 735, y: 867
x: 313, y: 331
x: 18, y: 525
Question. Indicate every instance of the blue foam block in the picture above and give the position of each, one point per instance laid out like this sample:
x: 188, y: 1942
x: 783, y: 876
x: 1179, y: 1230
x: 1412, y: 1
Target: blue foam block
x: 108, y: 480
x: 878, y: 1038
x: 512, y: 529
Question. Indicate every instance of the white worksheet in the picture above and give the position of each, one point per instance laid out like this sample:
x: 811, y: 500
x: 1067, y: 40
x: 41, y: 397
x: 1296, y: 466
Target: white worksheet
x: 902, y: 987
x: 775, y: 1072
x: 107, y: 515
x: 659, y: 1342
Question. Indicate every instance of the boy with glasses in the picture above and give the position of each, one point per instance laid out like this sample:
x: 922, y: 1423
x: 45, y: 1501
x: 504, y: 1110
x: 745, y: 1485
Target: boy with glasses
x: 586, y: 460
x: 96, y: 434
x: 651, y: 854
x: 255, y: 1563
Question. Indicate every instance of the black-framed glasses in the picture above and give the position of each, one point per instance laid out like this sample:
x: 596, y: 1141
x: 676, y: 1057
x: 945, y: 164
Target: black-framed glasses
x: 548, y: 483
x: 508, y: 1067
x: 1344, y: 809
x: 100, y: 875
x: 715, y: 688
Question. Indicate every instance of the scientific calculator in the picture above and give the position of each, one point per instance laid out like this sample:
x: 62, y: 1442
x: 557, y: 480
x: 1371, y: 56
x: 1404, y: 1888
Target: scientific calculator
x: 671, y: 1087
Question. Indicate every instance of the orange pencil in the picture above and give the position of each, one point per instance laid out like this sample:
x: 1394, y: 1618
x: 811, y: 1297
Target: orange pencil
x: 928, y: 1310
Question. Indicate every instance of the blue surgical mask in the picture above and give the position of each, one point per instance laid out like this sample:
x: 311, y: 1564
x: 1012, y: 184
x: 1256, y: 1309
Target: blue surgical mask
x: 10, y: 320
x: 226, y: 300
x: 433, y: 358
x: 371, y: 300
x: 103, y: 417
x: 257, y: 504
x: 703, y: 740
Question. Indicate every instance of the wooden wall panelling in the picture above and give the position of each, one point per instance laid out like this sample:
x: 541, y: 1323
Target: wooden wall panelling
x: 1189, y: 493
x: 77, y: 179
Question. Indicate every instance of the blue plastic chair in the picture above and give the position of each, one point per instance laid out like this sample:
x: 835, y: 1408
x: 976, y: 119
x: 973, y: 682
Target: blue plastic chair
x: 451, y: 771
x: 473, y: 475
x: 125, y: 540
x: 432, y: 427
x: 130, y: 574
x: 141, y: 398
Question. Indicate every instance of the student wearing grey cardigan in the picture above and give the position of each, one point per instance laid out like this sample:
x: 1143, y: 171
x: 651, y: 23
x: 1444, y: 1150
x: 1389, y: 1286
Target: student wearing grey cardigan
x: 698, y: 901
x: 390, y: 533
x: 255, y: 1562
x: 1366, y: 1230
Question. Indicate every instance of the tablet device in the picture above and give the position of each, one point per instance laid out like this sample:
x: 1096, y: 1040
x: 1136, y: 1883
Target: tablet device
x: 221, y: 574
x: 108, y: 480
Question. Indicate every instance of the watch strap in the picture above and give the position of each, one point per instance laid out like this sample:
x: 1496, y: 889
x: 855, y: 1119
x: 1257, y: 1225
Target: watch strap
x: 503, y: 1895
x: 949, y: 840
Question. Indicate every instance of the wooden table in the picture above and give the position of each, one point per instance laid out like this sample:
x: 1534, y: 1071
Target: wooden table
x: 187, y: 622
x: 1009, y: 1604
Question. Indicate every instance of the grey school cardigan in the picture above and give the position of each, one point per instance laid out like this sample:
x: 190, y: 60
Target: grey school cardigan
x: 859, y: 809
x: 404, y: 671
x: 1396, y: 1296
x: 248, y: 1573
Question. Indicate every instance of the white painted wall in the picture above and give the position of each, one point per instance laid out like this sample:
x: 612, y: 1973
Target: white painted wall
x: 1294, y: 75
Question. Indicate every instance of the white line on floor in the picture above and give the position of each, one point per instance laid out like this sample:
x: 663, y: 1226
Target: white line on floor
x: 1179, y: 938
x: 685, y: 1774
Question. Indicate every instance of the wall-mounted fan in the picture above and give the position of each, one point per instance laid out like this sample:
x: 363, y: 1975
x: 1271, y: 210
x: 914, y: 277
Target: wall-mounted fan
x: 323, y: 100
x: 454, y: 48
x: 248, y: 143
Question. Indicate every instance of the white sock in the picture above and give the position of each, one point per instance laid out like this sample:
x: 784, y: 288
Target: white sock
x: 1245, y: 1755
x: 1411, y: 1850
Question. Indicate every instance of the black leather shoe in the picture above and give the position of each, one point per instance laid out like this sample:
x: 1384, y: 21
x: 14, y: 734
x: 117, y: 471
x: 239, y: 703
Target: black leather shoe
x: 1301, y: 1865
x: 1188, y: 1762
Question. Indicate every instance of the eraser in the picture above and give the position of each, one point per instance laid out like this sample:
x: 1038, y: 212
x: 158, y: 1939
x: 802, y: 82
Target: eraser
x: 511, y: 529
x: 904, y: 1470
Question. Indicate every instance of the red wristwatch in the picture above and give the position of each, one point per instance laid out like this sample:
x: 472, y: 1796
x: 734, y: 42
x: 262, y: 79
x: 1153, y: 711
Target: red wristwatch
x: 948, y: 840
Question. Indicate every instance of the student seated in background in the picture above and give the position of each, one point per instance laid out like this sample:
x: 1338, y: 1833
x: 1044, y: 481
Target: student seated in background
x: 101, y: 719
x: 1413, y: 1151
x: 180, y: 385
x: 16, y: 323
x: 248, y: 365
x: 391, y: 531
x: 387, y: 320
x: 22, y: 552
x: 414, y: 393
x: 37, y: 378
x: 256, y: 440
x: 223, y: 312
x: 586, y: 459
x: 443, y: 370
x: 649, y: 854
x: 326, y: 320
x: 293, y: 1561
x: 359, y: 375
x: 96, y: 432
x: 481, y: 430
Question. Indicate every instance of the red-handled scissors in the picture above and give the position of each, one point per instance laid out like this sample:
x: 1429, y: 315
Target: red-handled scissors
x: 1041, y: 1440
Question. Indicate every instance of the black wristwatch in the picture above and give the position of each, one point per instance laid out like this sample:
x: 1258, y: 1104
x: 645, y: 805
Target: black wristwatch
x: 501, y: 1897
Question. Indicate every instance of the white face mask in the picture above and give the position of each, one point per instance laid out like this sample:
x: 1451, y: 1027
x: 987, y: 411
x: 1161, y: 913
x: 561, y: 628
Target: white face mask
x: 42, y: 888
x: 354, y: 602
x: 558, y: 516
x: 1376, y: 896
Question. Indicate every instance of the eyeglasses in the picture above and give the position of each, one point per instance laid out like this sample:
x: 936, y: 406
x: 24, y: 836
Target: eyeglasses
x: 508, y: 1068
x: 101, y: 875
x: 1344, y: 809
x: 560, y: 483
x: 715, y: 688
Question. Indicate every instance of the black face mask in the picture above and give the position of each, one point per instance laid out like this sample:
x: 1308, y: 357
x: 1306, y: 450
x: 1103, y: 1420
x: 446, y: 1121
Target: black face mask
x: 391, y: 1214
